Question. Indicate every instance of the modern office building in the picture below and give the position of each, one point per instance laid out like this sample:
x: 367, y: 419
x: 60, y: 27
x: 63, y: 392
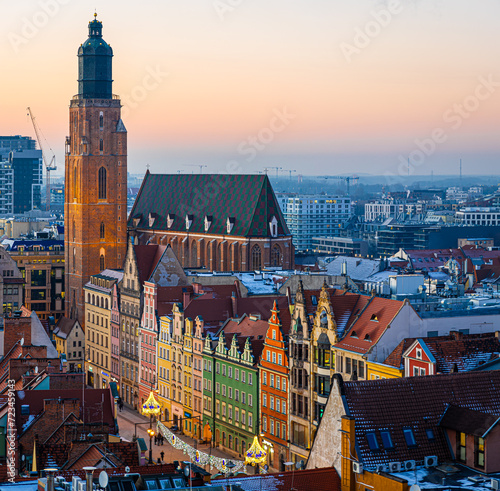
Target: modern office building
x: 15, y: 143
x: 27, y: 167
x: 6, y: 188
x: 479, y: 216
x: 344, y: 246
x: 309, y: 216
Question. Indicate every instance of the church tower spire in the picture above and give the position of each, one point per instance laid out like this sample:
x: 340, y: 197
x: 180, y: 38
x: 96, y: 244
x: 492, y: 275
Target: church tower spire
x: 96, y: 173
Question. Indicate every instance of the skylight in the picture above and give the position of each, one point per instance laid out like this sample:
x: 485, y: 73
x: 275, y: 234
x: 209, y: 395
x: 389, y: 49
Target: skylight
x: 372, y: 441
x: 409, y: 437
x: 386, y: 439
x: 430, y: 434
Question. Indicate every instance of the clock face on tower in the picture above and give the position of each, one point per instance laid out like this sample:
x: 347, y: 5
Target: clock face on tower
x: 96, y: 174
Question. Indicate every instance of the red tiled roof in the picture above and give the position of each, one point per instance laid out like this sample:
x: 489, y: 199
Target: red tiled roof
x: 263, y: 306
x: 246, y: 327
x: 395, y: 359
x: 370, y: 324
x: 147, y: 257
x: 325, y: 479
x: 418, y: 403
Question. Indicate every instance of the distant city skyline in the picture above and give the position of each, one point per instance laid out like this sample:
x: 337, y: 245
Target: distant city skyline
x: 329, y: 88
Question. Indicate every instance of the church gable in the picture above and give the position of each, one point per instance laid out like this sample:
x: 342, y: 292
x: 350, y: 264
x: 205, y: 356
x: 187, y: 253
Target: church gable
x: 236, y: 205
x: 168, y: 271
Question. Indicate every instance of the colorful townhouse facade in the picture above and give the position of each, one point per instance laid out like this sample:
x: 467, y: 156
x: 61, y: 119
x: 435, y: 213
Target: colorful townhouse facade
x: 236, y: 394
x: 274, y: 396
x: 148, y: 334
x: 164, y: 368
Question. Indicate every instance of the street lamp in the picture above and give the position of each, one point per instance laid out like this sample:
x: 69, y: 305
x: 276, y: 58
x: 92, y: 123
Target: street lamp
x: 151, y: 434
x: 291, y: 464
x: 151, y: 408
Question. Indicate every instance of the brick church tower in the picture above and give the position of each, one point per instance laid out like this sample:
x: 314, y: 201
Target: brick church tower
x: 95, y: 208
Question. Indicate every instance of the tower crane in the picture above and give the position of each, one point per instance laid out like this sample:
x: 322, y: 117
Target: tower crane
x: 49, y: 165
x: 196, y: 165
x: 289, y: 171
x: 347, y: 180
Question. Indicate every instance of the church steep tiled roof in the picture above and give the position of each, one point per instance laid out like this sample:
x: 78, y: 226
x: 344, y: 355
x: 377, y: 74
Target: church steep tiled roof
x: 248, y: 200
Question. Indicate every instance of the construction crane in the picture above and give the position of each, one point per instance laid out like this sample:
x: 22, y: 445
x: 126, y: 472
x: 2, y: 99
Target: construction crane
x: 196, y: 165
x: 289, y: 171
x: 49, y: 165
x: 347, y: 180
x: 266, y: 169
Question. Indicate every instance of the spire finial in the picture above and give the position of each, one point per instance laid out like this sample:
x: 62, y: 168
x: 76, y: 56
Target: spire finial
x: 95, y: 14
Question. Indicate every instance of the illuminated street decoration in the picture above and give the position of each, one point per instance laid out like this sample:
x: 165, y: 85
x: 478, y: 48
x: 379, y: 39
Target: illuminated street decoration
x: 151, y: 406
x: 255, y: 454
x: 201, y: 458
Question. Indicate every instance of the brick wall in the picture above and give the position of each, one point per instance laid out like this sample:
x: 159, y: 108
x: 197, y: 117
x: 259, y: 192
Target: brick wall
x: 16, y: 328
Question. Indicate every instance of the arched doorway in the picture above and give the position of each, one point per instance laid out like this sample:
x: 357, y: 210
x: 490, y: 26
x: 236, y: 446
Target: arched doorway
x: 207, y: 433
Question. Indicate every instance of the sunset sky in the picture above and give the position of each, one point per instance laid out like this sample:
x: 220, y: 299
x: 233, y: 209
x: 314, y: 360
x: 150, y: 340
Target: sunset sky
x: 203, y: 80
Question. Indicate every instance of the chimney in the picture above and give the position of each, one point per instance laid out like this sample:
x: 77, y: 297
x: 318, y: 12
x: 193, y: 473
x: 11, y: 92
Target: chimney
x: 186, y: 298
x: 89, y: 477
x: 50, y: 478
x: 234, y: 303
x: 456, y: 335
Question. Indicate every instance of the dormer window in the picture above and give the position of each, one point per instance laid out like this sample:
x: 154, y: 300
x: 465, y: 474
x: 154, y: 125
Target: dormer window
x: 374, y: 317
x: 189, y: 221
x: 136, y: 220
x: 354, y: 334
x: 152, y: 219
x: 230, y: 224
x: 208, y: 222
x: 273, y: 227
x: 170, y: 220
x: 367, y: 338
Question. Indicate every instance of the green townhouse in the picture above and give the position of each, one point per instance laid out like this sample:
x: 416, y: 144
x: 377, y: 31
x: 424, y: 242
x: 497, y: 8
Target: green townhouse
x: 235, y: 384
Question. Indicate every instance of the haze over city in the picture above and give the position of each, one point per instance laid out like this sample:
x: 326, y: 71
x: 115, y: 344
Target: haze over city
x: 356, y: 88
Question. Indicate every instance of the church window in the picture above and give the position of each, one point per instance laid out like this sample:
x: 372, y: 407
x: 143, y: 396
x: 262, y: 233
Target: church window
x: 101, y: 145
x: 101, y: 262
x: 75, y: 177
x: 102, y: 183
x: 103, y: 230
x: 276, y: 259
x: 256, y: 257
x: 101, y: 121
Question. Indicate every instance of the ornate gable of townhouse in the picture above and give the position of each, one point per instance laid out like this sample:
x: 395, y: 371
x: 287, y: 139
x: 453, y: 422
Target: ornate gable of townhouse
x: 234, y: 352
x: 207, y: 346
x: 247, y: 356
x: 324, y: 319
x: 221, y: 349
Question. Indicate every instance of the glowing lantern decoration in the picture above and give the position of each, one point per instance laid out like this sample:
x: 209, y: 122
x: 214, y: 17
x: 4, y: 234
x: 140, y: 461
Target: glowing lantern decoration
x: 255, y: 454
x: 151, y: 406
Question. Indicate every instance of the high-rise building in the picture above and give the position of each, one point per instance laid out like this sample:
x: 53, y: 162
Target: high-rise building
x: 96, y: 173
x: 309, y: 216
x: 15, y: 143
x: 27, y: 170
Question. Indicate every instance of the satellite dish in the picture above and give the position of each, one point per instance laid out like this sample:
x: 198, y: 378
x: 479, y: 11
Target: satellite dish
x: 103, y: 479
x: 415, y: 487
x: 127, y: 469
x: 187, y: 470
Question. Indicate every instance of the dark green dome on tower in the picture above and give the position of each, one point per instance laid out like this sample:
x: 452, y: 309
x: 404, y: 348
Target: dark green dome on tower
x: 95, y: 65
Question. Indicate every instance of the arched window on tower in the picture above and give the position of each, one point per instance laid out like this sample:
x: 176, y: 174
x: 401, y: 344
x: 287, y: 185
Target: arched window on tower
x: 101, y: 121
x: 103, y: 231
x: 276, y: 259
x: 102, y: 183
x: 74, y: 231
x: 75, y: 180
x: 256, y: 257
x: 101, y: 262
x: 101, y: 145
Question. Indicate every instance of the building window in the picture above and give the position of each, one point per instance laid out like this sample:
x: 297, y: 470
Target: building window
x: 101, y: 121
x: 372, y: 441
x: 102, y: 183
x: 103, y: 230
x: 479, y: 447
x: 101, y: 262
x: 256, y: 257
x: 461, y: 446
x: 276, y: 257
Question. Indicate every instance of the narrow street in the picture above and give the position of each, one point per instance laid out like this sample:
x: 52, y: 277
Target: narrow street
x: 127, y: 427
